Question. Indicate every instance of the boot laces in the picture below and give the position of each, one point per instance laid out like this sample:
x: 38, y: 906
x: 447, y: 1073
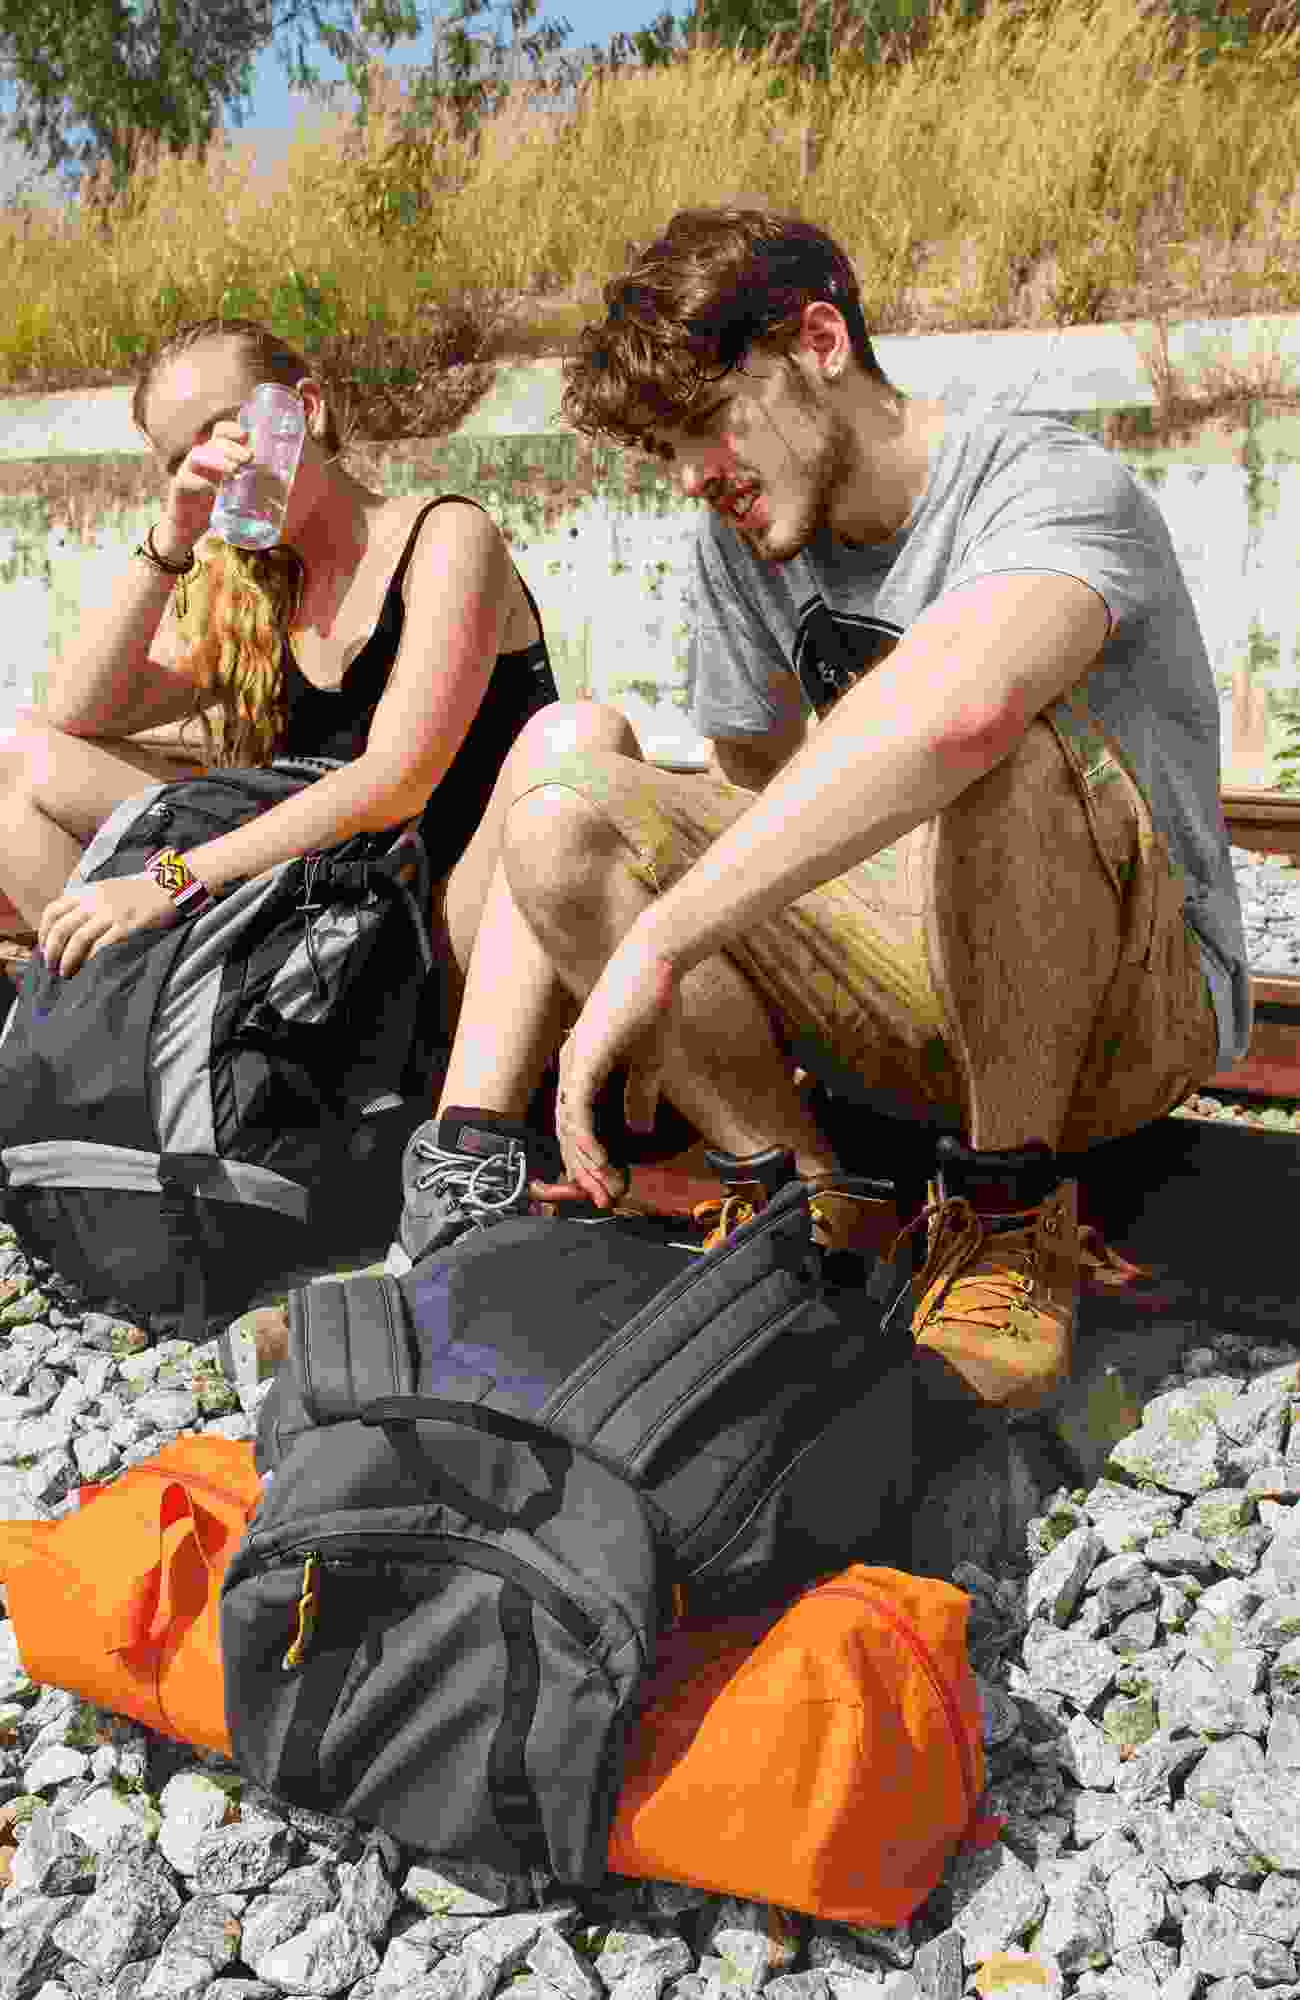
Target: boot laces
x: 1007, y: 1280
x: 990, y: 1294
x: 1105, y: 1265
x: 731, y: 1212
x: 480, y: 1188
x: 734, y: 1210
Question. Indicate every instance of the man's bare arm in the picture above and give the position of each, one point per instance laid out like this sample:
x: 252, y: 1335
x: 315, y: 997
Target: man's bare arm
x: 951, y: 701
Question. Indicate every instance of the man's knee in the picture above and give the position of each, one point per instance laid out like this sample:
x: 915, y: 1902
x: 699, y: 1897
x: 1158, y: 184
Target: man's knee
x: 555, y: 851
x: 563, y: 727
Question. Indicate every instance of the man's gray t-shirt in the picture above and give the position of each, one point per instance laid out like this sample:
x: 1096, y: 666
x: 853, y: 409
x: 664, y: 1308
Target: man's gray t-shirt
x: 1005, y: 493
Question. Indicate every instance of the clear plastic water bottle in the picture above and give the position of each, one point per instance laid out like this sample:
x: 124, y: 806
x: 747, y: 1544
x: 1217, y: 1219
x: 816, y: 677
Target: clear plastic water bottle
x: 250, y: 505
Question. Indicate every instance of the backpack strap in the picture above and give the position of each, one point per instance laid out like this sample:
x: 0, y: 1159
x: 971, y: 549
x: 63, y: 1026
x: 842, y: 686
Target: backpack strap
x: 179, y: 1211
x: 349, y: 1344
x: 398, y: 1416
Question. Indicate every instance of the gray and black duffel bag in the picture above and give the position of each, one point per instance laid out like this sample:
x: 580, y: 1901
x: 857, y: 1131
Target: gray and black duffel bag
x: 493, y: 1483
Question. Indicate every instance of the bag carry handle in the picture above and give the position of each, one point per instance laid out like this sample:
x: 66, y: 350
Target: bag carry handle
x: 554, y: 1452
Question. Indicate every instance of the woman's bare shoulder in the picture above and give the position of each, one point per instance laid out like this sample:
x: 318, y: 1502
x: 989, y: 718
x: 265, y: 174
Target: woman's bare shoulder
x: 453, y: 513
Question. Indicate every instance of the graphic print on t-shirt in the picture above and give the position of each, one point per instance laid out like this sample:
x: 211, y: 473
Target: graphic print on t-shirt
x: 833, y: 649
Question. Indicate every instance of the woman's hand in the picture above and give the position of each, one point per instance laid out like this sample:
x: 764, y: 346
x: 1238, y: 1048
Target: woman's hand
x: 77, y: 925
x: 631, y: 1016
x: 192, y: 492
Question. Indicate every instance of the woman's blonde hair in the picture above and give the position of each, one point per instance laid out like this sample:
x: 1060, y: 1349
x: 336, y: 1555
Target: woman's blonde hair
x: 239, y: 605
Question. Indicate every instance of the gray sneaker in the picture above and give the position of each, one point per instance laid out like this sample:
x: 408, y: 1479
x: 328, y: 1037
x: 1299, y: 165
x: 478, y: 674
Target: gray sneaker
x: 463, y: 1171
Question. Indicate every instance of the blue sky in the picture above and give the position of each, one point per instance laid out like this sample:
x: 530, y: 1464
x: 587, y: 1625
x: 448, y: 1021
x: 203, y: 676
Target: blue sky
x: 273, y: 109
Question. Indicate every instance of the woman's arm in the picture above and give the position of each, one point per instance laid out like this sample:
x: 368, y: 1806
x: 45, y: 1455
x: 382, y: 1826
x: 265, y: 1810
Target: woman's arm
x: 126, y: 670
x: 456, y: 595
x: 456, y: 592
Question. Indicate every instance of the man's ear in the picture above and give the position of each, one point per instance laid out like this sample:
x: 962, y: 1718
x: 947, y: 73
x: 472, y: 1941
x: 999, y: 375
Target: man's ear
x: 823, y: 338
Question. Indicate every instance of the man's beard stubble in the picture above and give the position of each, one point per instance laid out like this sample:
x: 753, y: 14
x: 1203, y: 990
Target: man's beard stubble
x: 825, y: 470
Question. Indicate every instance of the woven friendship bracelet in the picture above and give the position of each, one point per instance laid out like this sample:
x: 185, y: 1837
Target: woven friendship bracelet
x: 176, y: 876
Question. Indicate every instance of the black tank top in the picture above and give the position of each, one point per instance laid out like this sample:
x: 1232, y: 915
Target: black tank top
x: 323, y: 722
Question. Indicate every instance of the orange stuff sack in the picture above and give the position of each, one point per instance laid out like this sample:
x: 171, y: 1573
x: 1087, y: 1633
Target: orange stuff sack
x: 829, y: 1763
x: 117, y: 1602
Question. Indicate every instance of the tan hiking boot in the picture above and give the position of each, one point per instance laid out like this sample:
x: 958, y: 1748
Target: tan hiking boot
x: 994, y: 1307
x: 996, y: 1300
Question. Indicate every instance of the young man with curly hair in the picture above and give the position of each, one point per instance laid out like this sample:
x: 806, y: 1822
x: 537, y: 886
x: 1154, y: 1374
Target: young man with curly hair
x: 960, y: 852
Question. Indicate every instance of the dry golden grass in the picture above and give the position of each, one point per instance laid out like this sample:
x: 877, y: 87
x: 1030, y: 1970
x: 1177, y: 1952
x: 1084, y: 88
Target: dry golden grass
x: 1055, y: 162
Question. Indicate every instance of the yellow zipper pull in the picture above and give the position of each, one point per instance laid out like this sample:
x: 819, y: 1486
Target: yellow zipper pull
x: 308, y: 1610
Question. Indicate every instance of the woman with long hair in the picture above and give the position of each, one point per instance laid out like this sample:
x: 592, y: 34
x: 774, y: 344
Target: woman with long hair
x: 390, y: 632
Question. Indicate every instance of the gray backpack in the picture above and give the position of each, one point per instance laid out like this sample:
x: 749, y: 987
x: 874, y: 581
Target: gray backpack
x: 493, y: 1483
x: 204, y: 1108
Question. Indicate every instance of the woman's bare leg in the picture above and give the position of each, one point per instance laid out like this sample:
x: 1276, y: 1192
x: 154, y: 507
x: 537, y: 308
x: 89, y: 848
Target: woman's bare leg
x: 56, y: 791
x: 513, y: 1011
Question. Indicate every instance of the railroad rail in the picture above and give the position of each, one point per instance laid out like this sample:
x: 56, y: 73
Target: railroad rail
x: 1267, y: 822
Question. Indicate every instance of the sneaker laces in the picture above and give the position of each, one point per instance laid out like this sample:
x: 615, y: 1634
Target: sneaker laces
x: 482, y: 1188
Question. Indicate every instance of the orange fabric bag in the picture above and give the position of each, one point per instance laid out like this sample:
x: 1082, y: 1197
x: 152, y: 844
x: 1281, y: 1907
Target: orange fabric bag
x: 828, y: 1759
x: 118, y: 1601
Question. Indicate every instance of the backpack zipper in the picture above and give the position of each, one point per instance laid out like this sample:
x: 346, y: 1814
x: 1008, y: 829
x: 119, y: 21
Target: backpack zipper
x: 155, y: 818
x: 164, y: 809
x: 451, y: 1548
x: 904, y: 1629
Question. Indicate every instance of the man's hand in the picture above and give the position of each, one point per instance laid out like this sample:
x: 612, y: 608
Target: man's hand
x: 77, y: 925
x: 631, y: 1016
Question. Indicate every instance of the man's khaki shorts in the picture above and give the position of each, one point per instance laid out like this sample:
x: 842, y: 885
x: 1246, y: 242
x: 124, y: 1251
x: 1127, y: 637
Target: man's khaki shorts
x: 853, y: 972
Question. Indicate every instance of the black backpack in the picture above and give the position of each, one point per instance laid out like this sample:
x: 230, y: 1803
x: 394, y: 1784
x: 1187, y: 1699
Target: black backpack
x: 492, y: 1483
x: 201, y: 1109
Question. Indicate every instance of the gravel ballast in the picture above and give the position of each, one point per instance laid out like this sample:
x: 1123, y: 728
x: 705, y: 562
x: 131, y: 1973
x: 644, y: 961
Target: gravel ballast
x: 1139, y: 1661
x: 1140, y: 1667
x: 1269, y: 887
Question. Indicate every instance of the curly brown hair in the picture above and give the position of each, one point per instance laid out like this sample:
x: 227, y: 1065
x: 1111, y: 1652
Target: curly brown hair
x: 238, y: 607
x: 690, y: 307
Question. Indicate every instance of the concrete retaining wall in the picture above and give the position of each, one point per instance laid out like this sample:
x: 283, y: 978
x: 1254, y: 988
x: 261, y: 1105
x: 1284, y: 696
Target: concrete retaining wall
x: 603, y: 539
